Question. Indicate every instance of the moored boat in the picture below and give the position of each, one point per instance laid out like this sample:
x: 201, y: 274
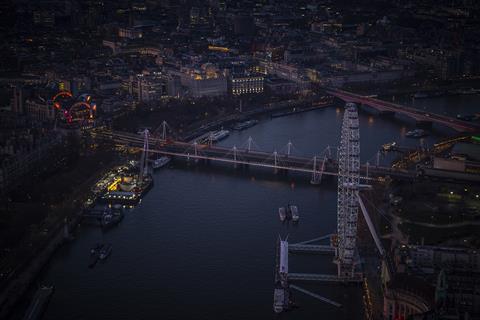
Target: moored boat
x: 244, y: 125
x: 105, y: 252
x: 421, y: 95
x: 389, y: 146
x: 96, y: 248
x: 289, y: 212
x: 219, y: 135
x: 417, y: 133
x: 294, y: 212
x: 282, y: 213
x: 113, y: 217
x: 160, y: 162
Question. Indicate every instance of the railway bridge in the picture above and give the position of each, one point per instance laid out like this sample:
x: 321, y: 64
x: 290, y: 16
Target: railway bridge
x: 316, y: 166
x: 418, y: 115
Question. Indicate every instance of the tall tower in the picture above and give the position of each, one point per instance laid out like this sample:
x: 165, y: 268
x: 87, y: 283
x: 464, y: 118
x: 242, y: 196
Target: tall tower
x: 348, y: 181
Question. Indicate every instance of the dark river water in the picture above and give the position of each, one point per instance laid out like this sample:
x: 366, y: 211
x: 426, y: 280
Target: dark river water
x: 201, y: 244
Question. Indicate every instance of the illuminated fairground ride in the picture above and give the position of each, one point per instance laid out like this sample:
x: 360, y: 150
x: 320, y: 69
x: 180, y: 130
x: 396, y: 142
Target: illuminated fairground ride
x: 79, y: 112
x: 60, y: 98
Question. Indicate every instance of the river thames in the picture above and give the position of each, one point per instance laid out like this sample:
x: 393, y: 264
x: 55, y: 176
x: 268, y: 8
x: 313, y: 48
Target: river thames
x: 201, y: 244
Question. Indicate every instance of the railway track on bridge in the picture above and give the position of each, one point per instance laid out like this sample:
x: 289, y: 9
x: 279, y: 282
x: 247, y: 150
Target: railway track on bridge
x: 255, y: 158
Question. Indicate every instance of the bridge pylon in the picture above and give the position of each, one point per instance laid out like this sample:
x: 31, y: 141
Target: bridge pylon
x: 318, y: 173
x: 144, y: 159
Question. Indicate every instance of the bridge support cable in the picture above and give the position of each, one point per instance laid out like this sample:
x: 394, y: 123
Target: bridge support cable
x: 317, y: 174
x: 162, y: 131
x: 312, y: 248
x: 289, y: 149
x: 275, y: 154
x: 316, y: 296
x: 316, y: 239
x: 210, y: 139
x: 314, y: 179
x: 220, y: 154
x: 328, y: 152
x: 370, y: 225
x: 144, y: 157
x: 193, y: 146
x: 249, y: 145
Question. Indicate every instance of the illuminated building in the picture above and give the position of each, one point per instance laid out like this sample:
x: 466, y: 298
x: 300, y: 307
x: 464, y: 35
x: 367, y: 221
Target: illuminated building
x: 204, y: 81
x: 130, y: 33
x: 201, y: 87
x: 406, y: 296
x: 75, y: 85
x: 246, y: 84
x: 155, y: 86
x: 281, y: 86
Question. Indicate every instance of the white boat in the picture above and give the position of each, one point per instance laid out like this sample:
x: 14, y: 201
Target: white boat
x: 160, y: 162
x: 282, y: 213
x: 417, y: 133
x: 105, y: 252
x: 219, y: 135
x: 421, y: 95
x: 389, y: 146
x: 294, y: 211
x: 245, y: 125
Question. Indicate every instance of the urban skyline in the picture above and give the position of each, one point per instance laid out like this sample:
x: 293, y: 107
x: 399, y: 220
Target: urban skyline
x: 357, y: 123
